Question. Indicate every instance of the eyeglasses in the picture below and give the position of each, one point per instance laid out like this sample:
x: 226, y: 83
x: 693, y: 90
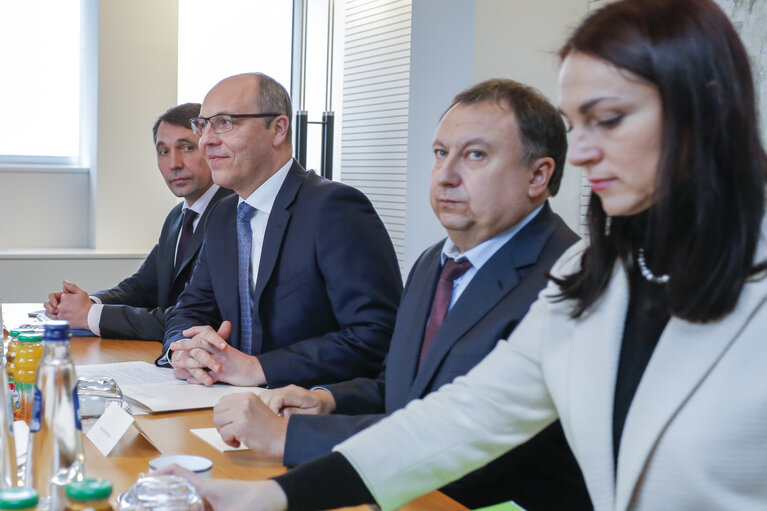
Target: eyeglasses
x: 221, y: 123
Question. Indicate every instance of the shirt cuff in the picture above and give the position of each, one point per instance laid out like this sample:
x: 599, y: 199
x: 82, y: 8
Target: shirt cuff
x: 95, y: 299
x: 164, y: 360
x: 94, y: 318
x: 320, y: 387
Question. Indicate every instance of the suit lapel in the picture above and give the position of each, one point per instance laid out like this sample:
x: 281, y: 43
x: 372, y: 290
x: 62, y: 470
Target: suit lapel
x: 411, y: 323
x: 279, y: 218
x: 689, y: 351
x: 165, y: 264
x: 587, y: 411
x: 497, y: 278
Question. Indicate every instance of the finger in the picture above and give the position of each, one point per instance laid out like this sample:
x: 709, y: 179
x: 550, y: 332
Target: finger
x: 49, y: 308
x: 71, y: 287
x: 190, y: 344
x: 192, y: 331
x: 224, y: 330
x: 205, y: 360
x: 202, y: 376
x: 228, y: 436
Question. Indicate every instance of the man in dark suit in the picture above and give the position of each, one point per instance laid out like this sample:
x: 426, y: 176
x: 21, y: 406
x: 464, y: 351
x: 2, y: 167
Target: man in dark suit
x: 499, y: 154
x: 297, y: 280
x: 137, y: 307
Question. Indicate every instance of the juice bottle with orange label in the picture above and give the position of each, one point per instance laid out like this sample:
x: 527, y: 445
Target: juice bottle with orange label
x: 28, y: 358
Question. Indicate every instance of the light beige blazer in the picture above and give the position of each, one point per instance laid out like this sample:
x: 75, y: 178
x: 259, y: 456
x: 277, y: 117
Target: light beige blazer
x: 695, y: 436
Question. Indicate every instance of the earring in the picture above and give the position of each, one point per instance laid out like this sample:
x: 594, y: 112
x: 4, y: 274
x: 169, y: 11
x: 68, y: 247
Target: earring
x: 608, y: 224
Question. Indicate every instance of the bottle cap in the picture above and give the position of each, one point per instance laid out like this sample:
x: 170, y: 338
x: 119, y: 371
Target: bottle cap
x: 17, y: 332
x: 18, y: 498
x: 30, y: 338
x: 56, y: 330
x: 89, y: 489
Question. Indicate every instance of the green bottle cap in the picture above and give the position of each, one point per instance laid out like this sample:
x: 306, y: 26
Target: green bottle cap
x: 18, y: 498
x: 30, y: 338
x: 18, y: 332
x: 89, y: 489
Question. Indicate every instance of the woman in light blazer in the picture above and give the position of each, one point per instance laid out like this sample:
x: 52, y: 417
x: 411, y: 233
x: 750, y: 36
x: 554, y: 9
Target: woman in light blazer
x: 650, y: 343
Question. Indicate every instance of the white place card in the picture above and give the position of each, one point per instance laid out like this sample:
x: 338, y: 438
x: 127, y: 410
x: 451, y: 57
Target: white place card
x: 110, y: 428
x: 211, y: 436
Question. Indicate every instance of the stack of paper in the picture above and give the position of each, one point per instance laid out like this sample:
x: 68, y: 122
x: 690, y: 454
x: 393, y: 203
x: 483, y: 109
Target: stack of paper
x: 156, y: 389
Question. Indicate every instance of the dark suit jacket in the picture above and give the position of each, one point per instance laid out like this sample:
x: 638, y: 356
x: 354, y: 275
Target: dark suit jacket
x: 541, y: 474
x: 137, y: 307
x: 327, y: 288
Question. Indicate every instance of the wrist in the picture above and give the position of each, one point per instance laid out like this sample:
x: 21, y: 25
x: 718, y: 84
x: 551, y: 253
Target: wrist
x: 327, y: 404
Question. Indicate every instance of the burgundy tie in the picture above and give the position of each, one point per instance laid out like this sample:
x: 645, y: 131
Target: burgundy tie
x: 187, y: 230
x: 442, y: 296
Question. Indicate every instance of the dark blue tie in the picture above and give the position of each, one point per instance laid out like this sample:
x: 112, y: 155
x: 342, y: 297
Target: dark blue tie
x: 245, y: 243
x: 187, y: 230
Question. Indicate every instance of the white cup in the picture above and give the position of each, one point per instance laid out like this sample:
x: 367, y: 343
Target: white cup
x: 197, y: 464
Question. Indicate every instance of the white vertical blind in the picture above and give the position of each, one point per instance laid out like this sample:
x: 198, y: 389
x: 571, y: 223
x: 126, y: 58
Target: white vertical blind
x: 375, y: 107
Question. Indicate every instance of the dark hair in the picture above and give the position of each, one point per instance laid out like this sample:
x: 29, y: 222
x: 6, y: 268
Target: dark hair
x: 541, y: 128
x: 272, y: 97
x: 703, y: 226
x: 177, y: 116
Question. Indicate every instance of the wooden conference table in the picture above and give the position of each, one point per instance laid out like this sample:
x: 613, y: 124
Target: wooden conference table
x: 169, y: 434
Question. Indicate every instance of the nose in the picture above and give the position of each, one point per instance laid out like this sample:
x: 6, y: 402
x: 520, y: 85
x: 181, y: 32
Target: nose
x: 446, y: 173
x: 208, y: 137
x: 582, y: 151
x: 176, y: 160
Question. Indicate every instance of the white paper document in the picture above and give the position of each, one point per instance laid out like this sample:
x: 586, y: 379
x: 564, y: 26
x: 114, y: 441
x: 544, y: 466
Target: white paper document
x: 156, y: 389
x: 167, y: 398
x: 129, y: 373
x: 211, y: 436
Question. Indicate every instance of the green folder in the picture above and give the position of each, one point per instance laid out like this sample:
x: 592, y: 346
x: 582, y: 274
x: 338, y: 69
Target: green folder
x: 506, y: 506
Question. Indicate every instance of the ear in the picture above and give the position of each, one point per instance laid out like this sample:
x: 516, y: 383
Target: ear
x: 542, y: 169
x: 280, y: 126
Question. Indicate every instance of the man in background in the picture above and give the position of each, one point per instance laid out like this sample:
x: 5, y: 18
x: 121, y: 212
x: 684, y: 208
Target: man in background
x: 499, y: 154
x: 137, y: 307
x: 297, y: 280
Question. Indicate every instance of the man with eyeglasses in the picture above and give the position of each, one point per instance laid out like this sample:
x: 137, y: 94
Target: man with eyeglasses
x: 297, y: 280
x: 137, y: 307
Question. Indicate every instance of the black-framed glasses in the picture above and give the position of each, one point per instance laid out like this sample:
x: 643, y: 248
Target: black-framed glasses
x: 221, y: 123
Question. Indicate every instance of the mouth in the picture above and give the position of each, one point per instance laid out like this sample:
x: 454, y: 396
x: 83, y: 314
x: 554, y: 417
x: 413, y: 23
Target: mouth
x: 214, y: 158
x: 179, y: 180
x: 600, y: 184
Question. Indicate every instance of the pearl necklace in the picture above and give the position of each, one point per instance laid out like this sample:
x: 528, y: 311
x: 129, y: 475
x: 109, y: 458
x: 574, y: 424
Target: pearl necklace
x: 647, y: 274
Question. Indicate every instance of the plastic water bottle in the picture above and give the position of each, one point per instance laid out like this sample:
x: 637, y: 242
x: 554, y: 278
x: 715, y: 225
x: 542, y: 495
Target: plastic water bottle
x: 7, y: 445
x: 55, y: 452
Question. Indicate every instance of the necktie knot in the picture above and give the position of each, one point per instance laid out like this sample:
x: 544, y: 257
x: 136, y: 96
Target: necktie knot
x: 245, y: 212
x: 454, y: 270
x: 189, y: 216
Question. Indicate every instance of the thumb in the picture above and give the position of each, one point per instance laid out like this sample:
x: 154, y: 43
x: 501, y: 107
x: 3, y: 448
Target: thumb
x: 70, y: 287
x: 225, y: 329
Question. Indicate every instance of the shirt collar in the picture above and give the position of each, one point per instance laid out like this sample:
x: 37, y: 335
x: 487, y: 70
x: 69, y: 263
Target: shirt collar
x: 480, y: 254
x: 263, y: 198
x: 202, y: 203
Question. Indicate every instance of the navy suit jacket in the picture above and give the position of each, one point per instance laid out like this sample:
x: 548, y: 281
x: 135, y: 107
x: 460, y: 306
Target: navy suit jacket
x: 137, y: 307
x: 539, y: 475
x: 327, y: 288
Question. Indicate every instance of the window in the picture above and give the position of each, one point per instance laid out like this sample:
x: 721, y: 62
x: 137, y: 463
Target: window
x: 40, y: 52
x: 234, y: 36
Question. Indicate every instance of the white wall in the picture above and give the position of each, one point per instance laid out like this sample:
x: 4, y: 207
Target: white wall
x: 456, y: 43
x: 114, y: 214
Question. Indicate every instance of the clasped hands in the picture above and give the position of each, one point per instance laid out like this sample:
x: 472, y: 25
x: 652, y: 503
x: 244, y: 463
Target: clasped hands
x: 261, y: 421
x: 71, y: 304
x: 205, y: 357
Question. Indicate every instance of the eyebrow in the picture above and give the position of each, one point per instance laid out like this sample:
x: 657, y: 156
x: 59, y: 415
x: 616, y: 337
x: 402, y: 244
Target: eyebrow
x: 588, y: 105
x: 178, y: 141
